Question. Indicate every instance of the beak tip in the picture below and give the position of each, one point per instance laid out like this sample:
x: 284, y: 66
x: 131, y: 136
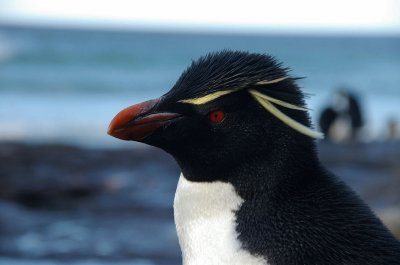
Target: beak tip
x: 112, y: 128
x: 115, y: 132
x: 110, y: 132
x: 118, y: 128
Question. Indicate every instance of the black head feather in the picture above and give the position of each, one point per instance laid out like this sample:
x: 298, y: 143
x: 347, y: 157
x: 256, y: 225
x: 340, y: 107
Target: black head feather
x: 248, y: 130
x: 227, y: 70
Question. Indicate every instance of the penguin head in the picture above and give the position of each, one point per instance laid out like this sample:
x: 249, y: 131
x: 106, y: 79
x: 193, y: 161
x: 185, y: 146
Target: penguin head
x: 226, y: 108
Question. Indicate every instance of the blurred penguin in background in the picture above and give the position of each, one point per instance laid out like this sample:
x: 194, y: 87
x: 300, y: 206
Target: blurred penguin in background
x: 343, y: 120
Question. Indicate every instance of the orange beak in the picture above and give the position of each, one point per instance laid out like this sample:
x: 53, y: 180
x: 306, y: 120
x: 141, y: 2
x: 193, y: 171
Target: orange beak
x: 138, y: 121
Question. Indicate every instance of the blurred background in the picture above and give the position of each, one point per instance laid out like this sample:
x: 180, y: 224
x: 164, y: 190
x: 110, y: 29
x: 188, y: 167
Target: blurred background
x: 70, y: 194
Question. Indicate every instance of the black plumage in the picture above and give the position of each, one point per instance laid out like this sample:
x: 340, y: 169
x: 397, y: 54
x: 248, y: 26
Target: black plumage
x: 230, y: 70
x: 294, y: 210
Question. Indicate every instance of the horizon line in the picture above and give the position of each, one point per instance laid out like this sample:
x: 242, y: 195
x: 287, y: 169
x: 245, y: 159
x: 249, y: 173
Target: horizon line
x: 207, y: 29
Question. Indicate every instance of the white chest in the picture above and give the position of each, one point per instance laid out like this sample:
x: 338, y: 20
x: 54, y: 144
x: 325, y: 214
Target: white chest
x: 205, y: 223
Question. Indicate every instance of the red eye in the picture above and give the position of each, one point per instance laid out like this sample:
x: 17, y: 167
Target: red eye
x: 216, y: 116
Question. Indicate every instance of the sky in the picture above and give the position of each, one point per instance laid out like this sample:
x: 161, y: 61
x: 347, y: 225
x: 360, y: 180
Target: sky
x: 364, y: 16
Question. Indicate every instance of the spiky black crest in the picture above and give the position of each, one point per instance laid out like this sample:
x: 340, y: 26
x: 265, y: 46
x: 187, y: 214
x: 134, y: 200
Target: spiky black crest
x: 231, y: 70
x: 219, y: 74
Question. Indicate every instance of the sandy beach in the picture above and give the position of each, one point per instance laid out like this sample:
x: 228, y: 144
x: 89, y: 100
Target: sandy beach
x: 63, y: 204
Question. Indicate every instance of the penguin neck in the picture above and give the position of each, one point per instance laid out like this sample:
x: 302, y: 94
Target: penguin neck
x: 264, y: 170
x: 210, y: 196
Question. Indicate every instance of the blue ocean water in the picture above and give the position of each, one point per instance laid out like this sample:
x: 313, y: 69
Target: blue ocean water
x: 66, y: 85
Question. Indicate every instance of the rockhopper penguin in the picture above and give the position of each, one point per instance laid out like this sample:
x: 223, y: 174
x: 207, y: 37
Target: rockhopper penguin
x: 252, y: 190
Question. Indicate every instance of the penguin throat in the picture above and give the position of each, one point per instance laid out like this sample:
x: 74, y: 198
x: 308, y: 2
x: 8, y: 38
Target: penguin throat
x: 264, y: 169
x: 205, y: 218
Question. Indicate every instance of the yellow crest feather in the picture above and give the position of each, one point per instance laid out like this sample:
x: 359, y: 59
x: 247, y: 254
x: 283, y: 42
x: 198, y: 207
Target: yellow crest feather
x: 277, y: 101
x: 207, y: 98
x: 265, y: 101
x: 284, y: 118
x: 212, y: 96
